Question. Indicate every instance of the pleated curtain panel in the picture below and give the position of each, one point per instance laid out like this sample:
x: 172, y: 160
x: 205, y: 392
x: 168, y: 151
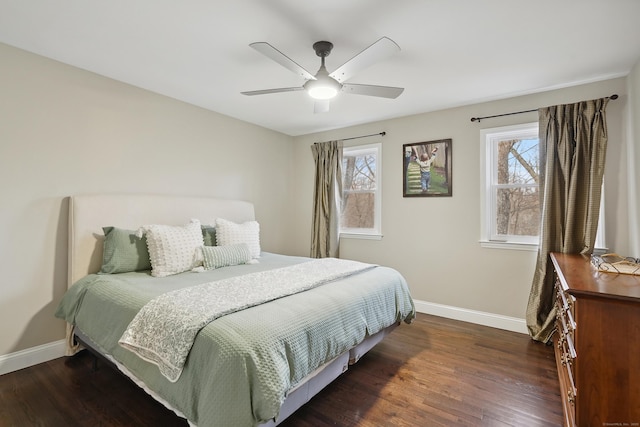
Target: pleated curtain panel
x: 573, y: 143
x: 327, y: 198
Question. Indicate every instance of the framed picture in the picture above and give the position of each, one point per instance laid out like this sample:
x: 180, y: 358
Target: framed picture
x: 427, y: 169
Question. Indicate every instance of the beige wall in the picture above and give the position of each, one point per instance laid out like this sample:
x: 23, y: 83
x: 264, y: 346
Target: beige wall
x: 434, y: 241
x: 66, y: 131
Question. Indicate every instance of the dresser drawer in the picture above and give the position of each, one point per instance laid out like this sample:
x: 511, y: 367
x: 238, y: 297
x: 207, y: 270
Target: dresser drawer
x: 565, y: 351
x: 565, y: 304
x: 565, y: 322
x: 567, y: 361
x: 568, y: 391
x: 566, y: 355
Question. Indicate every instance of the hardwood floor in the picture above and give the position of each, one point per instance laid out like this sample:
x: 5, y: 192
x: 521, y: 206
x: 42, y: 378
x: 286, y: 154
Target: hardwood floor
x: 435, y: 372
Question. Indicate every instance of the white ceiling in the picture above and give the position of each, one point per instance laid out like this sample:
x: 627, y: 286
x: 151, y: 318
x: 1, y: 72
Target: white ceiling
x: 454, y: 52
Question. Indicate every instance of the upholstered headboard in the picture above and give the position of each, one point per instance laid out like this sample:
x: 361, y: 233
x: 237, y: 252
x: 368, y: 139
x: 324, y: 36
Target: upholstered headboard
x: 89, y: 213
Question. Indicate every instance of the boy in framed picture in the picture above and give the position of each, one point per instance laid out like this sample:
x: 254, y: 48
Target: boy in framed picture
x: 425, y: 161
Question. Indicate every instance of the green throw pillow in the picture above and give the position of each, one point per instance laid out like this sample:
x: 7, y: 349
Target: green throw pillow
x: 209, y: 235
x: 124, y: 251
x: 223, y: 256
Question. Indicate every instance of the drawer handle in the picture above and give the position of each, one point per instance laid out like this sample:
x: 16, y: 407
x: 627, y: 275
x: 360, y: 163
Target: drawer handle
x: 561, y: 339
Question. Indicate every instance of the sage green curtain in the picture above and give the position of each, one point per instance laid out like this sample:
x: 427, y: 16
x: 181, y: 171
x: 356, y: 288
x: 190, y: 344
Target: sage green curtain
x: 327, y: 198
x: 573, y: 142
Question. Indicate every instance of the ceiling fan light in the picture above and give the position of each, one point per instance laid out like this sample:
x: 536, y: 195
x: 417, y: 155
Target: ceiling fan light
x: 324, y: 87
x: 322, y: 92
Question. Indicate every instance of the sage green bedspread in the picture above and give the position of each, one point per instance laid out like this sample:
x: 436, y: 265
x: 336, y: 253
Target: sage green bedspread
x: 241, y: 365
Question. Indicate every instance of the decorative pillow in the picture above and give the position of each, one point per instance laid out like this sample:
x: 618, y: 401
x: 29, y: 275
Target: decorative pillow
x: 230, y: 233
x: 223, y: 256
x: 173, y: 249
x: 209, y: 235
x: 124, y: 251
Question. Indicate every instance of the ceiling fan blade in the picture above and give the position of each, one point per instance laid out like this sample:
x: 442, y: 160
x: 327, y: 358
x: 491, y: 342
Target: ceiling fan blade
x: 271, y: 52
x: 321, y: 106
x: 371, y: 90
x: 266, y: 91
x: 378, y: 51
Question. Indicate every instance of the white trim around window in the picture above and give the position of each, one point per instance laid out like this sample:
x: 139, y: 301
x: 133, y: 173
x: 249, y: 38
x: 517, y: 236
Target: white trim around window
x: 488, y: 188
x: 374, y: 233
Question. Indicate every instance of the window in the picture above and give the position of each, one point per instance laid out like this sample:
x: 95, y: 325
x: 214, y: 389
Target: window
x: 511, y: 200
x: 361, y: 191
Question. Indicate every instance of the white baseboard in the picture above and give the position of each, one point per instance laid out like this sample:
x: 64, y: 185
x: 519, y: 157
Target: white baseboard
x: 479, y: 317
x: 31, y: 356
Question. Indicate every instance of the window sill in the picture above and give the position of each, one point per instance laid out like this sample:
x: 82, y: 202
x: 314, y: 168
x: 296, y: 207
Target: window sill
x: 361, y: 236
x: 494, y: 244
x: 533, y: 247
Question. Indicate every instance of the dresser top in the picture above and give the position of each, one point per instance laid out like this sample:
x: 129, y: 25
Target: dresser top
x: 580, y: 277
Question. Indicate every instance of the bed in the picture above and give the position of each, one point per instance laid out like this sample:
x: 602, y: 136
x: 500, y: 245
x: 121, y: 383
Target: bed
x: 250, y: 367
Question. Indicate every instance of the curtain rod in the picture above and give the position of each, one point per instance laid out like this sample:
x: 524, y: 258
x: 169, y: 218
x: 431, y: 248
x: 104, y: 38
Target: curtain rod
x: 477, y: 119
x: 364, y: 136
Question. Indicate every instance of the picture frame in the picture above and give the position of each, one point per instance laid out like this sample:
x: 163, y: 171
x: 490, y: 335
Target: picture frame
x: 427, y: 170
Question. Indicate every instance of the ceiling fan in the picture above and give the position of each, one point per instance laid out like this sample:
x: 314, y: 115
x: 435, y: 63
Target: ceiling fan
x: 324, y: 86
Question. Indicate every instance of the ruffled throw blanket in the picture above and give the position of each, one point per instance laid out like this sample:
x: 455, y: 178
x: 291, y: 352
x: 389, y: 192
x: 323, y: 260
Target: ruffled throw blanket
x: 164, y: 329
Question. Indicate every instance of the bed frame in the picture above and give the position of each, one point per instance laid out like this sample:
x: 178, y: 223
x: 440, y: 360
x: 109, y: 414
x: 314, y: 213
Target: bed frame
x: 89, y: 213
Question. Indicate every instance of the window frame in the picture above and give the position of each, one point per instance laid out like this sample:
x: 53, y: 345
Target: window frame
x: 376, y: 231
x: 488, y: 187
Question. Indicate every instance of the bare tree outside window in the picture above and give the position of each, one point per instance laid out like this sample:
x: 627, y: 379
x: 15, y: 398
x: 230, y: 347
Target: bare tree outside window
x: 359, y: 190
x: 516, y: 187
x: 510, y: 201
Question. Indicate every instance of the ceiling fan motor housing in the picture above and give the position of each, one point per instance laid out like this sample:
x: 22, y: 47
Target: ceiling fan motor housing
x: 322, y: 48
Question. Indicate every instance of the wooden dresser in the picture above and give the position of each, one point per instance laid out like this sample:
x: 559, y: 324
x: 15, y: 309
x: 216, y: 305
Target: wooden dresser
x: 597, y: 343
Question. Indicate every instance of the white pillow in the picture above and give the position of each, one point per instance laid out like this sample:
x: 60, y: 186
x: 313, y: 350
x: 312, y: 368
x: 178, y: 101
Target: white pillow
x: 230, y: 233
x: 173, y: 249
